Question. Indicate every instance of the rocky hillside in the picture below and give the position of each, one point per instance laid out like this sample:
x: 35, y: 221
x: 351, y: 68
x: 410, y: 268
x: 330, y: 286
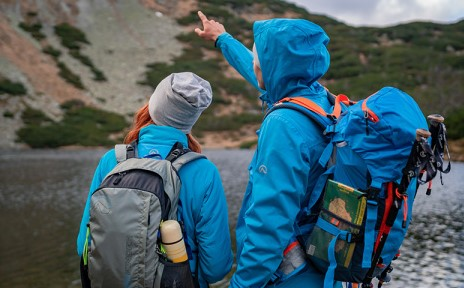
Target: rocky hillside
x: 86, y: 66
x: 122, y: 36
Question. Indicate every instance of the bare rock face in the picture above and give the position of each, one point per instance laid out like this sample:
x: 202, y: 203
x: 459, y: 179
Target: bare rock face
x: 124, y: 36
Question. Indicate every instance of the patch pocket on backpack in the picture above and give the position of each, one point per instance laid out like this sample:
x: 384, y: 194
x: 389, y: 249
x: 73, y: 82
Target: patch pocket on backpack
x: 338, y: 226
x: 328, y: 227
x: 175, y: 275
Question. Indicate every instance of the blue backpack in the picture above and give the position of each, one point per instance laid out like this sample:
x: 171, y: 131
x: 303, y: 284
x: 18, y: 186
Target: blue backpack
x: 376, y: 156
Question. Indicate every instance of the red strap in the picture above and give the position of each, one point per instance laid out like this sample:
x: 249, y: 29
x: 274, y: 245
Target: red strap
x: 341, y: 98
x: 405, y: 205
x: 308, y: 104
x: 372, y: 116
x: 305, y: 102
x: 290, y: 247
x: 388, y: 203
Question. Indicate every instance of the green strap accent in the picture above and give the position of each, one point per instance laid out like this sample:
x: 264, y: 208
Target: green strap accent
x: 161, y: 247
x: 86, y: 246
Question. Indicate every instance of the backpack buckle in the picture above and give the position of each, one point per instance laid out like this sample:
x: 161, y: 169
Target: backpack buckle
x: 372, y: 193
x: 356, y: 237
x: 332, y: 118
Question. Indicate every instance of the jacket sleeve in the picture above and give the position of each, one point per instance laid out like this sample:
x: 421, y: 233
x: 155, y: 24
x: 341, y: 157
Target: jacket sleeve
x: 280, y: 178
x: 239, y: 57
x: 212, y: 228
x: 107, y: 162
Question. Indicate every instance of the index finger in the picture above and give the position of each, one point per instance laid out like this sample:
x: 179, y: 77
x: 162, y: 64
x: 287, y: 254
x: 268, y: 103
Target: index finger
x: 202, y: 16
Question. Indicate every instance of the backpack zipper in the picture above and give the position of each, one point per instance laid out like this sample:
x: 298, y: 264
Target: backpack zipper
x: 369, y: 114
x: 119, y: 178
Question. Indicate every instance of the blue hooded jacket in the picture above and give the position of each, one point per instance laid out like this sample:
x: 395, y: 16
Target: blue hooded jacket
x: 293, y: 56
x: 202, y: 203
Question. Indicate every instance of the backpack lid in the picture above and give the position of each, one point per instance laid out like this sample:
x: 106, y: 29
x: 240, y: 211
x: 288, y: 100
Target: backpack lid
x: 383, y: 137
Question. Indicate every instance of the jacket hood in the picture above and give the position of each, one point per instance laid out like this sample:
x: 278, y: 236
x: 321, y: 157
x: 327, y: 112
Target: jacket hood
x: 293, y: 55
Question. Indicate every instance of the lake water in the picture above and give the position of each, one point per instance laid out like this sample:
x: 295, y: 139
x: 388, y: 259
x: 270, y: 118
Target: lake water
x: 42, y: 194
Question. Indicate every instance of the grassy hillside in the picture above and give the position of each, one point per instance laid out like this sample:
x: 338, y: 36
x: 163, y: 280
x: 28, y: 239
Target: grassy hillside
x: 424, y: 59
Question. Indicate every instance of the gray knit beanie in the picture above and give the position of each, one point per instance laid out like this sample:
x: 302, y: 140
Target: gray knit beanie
x: 179, y: 99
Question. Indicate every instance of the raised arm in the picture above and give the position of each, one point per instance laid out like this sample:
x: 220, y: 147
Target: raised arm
x: 238, y: 56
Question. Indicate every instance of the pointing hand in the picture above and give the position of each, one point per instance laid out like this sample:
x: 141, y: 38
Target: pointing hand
x: 211, y: 29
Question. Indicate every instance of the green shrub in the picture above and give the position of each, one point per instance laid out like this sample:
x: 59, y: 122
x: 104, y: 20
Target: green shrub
x: 237, y: 87
x: 207, y: 69
x: 69, y: 76
x: 85, y: 60
x: 248, y: 144
x: 11, y: 88
x: 33, y: 29
x: 72, y: 104
x: 32, y: 116
x: 235, y: 25
x: 455, y: 123
x: 71, y: 37
x: 76, y: 54
x: 55, y: 53
x: 81, y: 125
x: 457, y: 62
x: 98, y: 75
x: 194, y: 41
x: 8, y: 114
x: 208, y: 122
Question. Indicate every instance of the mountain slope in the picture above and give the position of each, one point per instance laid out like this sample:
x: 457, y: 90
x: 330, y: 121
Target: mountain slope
x: 110, y: 54
x: 123, y: 37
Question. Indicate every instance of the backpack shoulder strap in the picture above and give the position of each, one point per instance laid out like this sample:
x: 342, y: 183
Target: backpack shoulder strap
x: 179, y: 156
x: 126, y: 151
x: 306, y: 107
x: 314, y: 111
x: 186, y: 158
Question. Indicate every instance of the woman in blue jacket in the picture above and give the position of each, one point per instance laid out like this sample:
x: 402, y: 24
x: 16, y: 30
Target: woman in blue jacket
x: 289, y: 57
x: 168, y: 118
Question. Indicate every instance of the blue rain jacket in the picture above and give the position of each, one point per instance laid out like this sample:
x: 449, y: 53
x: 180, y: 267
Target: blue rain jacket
x: 202, y: 203
x: 293, y: 56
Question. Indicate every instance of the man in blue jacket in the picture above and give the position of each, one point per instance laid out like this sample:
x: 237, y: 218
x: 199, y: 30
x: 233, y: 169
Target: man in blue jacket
x: 289, y: 57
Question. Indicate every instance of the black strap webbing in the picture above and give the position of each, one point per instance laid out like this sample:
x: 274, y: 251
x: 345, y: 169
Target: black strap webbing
x: 131, y: 149
x: 177, y: 150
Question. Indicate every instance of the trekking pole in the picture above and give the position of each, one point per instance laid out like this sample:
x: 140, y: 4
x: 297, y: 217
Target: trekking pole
x: 439, y: 142
x: 415, y: 159
x: 395, y: 195
x: 436, y: 124
x: 435, y: 119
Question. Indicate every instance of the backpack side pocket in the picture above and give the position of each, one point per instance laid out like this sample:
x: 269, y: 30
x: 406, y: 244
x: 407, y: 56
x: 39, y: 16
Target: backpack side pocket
x: 173, y: 275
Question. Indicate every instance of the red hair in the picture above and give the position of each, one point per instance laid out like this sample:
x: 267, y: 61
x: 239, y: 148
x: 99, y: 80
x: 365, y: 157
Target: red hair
x: 142, y: 119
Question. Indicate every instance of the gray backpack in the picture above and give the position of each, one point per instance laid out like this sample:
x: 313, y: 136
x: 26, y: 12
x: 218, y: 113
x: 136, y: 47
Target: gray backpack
x: 125, y: 215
